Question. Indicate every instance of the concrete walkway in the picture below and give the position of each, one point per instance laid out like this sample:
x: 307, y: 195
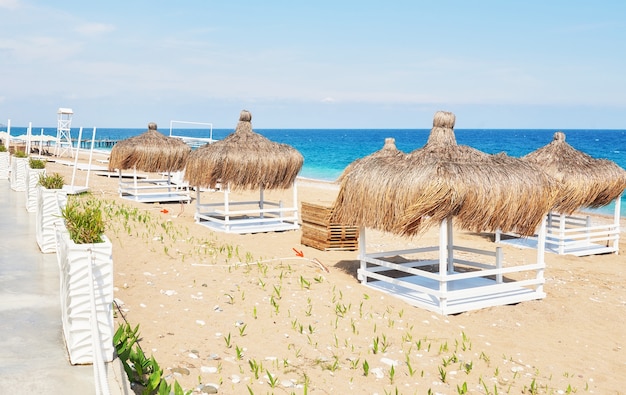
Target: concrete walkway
x: 33, y: 356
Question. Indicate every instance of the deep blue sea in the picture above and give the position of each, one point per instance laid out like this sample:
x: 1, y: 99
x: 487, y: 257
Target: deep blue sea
x: 328, y: 151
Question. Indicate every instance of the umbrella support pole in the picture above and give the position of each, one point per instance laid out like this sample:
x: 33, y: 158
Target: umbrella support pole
x: 616, y: 219
x: 437, y: 280
x: 261, y: 196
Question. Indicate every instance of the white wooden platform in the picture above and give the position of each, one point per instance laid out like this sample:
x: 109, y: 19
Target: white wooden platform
x: 553, y: 245
x: 117, y: 174
x: 241, y: 217
x: 449, y: 284
x: 463, y: 295
x: 153, y: 191
x: 573, y: 235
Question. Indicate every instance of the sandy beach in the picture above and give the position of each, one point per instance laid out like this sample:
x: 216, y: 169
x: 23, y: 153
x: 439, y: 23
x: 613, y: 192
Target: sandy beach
x: 246, y: 315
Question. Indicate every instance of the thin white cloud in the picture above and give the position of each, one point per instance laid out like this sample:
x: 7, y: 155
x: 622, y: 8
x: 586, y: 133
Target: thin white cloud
x: 328, y: 100
x: 92, y: 29
x: 9, y: 4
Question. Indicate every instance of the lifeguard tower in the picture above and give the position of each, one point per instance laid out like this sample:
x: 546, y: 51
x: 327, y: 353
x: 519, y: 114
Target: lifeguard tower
x: 64, y: 135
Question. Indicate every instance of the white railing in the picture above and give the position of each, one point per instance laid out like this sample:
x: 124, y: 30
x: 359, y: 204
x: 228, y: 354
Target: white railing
x: 194, y: 142
x: 452, y: 284
x: 247, y: 216
x: 577, y: 235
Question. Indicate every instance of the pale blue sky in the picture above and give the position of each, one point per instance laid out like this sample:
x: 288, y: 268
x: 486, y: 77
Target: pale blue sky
x: 315, y: 64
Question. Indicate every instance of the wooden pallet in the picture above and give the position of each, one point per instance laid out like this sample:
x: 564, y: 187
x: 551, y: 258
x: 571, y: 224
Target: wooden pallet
x: 319, y: 233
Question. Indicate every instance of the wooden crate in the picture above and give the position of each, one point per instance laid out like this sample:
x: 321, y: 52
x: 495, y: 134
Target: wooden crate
x: 318, y: 232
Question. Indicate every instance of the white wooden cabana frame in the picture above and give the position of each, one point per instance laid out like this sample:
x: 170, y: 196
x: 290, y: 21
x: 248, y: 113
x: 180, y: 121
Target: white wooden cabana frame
x: 574, y: 235
x: 458, y: 285
x: 254, y: 216
x: 157, y: 190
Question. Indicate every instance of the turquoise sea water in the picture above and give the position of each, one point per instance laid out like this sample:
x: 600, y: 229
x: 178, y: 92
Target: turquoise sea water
x: 328, y: 151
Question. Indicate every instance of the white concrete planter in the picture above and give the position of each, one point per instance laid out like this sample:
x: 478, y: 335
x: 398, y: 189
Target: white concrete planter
x: 49, y: 204
x: 19, y: 167
x: 5, y: 165
x: 86, y: 317
x: 32, y: 182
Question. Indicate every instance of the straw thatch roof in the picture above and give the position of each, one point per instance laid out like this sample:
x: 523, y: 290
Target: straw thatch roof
x: 151, y: 151
x: 244, y: 160
x: 585, y: 181
x: 373, y: 177
x: 389, y: 151
x: 442, y: 180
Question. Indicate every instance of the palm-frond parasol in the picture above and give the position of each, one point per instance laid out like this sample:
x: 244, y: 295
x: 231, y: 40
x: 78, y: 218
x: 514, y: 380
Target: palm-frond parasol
x: 150, y: 151
x: 584, y: 181
x: 367, y: 189
x: 443, y: 180
x: 244, y: 160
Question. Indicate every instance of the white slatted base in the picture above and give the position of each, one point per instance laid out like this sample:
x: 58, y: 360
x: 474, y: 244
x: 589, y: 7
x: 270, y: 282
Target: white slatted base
x: 578, y: 250
x: 158, y: 197
x: 153, y: 191
x: 451, y: 279
x: 254, y: 216
x: 484, y: 297
x: 242, y: 225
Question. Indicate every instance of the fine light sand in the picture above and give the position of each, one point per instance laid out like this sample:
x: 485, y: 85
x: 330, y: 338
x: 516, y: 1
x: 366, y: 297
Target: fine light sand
x: 247, y: 315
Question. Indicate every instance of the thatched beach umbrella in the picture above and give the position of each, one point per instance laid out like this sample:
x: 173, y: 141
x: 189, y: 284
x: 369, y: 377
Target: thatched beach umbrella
x: 150, y: 151
x: 443, y: 180
x: 437, y: 184
x: 584, y: 181
x: 389, y: 151
x: 244, y: 160
x: 366, y: 195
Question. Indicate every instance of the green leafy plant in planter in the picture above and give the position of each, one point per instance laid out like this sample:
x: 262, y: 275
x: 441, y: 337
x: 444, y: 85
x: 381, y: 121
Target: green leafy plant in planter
x: 52, y: 181
x: 3, y: 148
x: 83, y: 220
x: 36, y: 163
x: 20, y: 154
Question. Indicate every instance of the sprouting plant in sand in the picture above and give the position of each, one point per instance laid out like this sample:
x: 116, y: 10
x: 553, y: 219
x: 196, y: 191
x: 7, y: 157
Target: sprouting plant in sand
x: 375, y: 345
x: 238, y: 353
x: 409, y: 366
x: 392, y: 373
x: 304, y: 283
x: 442, y: 373
x: 272, y: 379
x: 274, y: 304
x: 255, y: 367
x: 242, y: 329
x: 366, y: 368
